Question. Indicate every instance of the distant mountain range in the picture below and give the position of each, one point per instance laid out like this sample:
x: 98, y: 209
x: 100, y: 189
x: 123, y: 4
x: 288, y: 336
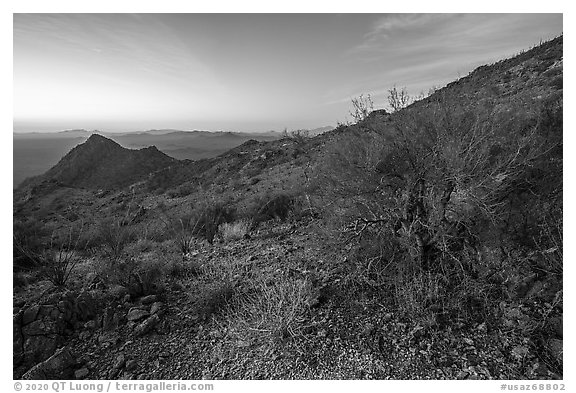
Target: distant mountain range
x: 36, y: 152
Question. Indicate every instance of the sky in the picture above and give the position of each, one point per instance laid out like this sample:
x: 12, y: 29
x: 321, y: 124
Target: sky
x: 243, y: 72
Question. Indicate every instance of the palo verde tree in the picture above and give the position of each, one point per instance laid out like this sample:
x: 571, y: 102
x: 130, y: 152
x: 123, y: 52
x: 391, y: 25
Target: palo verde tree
x: 437, y: 176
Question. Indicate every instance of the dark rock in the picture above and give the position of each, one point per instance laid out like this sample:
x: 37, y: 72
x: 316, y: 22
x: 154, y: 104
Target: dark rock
x: 30, y: 315
x: 58, y: 366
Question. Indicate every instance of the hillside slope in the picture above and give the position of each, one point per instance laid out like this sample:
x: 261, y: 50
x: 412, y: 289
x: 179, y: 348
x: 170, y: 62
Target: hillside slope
x: 420, y: 244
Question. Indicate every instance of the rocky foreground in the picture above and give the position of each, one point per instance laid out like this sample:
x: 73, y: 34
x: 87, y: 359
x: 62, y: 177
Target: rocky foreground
x: 98, y: 332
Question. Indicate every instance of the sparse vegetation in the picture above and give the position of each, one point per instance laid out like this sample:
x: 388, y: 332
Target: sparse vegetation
x: 270, y: 207
x: 271, y: 312
x: 114, y: 237
x: 362, y: 106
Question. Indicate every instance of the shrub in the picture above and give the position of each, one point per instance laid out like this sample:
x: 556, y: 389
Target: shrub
x: 431, y: 185
x: 362, y: 106
x: 270, y: 207
x: 141, y: 275
x: 58, y: 265
x: 28, y: 240
x: 201, y: 222
x: 114, y: 237
x: 57, y: 259
x: 183, y: 231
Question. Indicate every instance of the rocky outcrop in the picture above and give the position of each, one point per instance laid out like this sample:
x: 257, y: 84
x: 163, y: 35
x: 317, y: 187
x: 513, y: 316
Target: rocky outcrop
x: 38, y: 330
x: 58, y: 366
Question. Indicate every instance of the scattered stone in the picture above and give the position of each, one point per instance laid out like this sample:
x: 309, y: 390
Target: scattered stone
x: 131, y: 365
x: 118, y: 292
x: 482, y: 327
x: 156, y: 306
x: 206, y: 375
x: 91, y: 325
x: 147, y: 325
x: 85, y: 335
x: 468, y: 341
x: 368, y: 330
x: 462, y: 374
x: 82, y: 373
x: 418, y: 331
x: 520, y: 351
x: 541, y: 370
x: 242, y: 344
x: 149, y: 299
x: 388, y: 317
x: 135, y: 314
x: 120, y: 362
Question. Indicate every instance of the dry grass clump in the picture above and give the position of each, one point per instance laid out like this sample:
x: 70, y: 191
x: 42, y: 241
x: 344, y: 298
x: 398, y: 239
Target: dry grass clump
x: 270, y: 312
x: 212, y: 298
x: 235, y: 231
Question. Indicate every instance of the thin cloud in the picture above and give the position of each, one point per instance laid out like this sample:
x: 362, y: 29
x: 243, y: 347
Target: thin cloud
x: 387, y: 26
